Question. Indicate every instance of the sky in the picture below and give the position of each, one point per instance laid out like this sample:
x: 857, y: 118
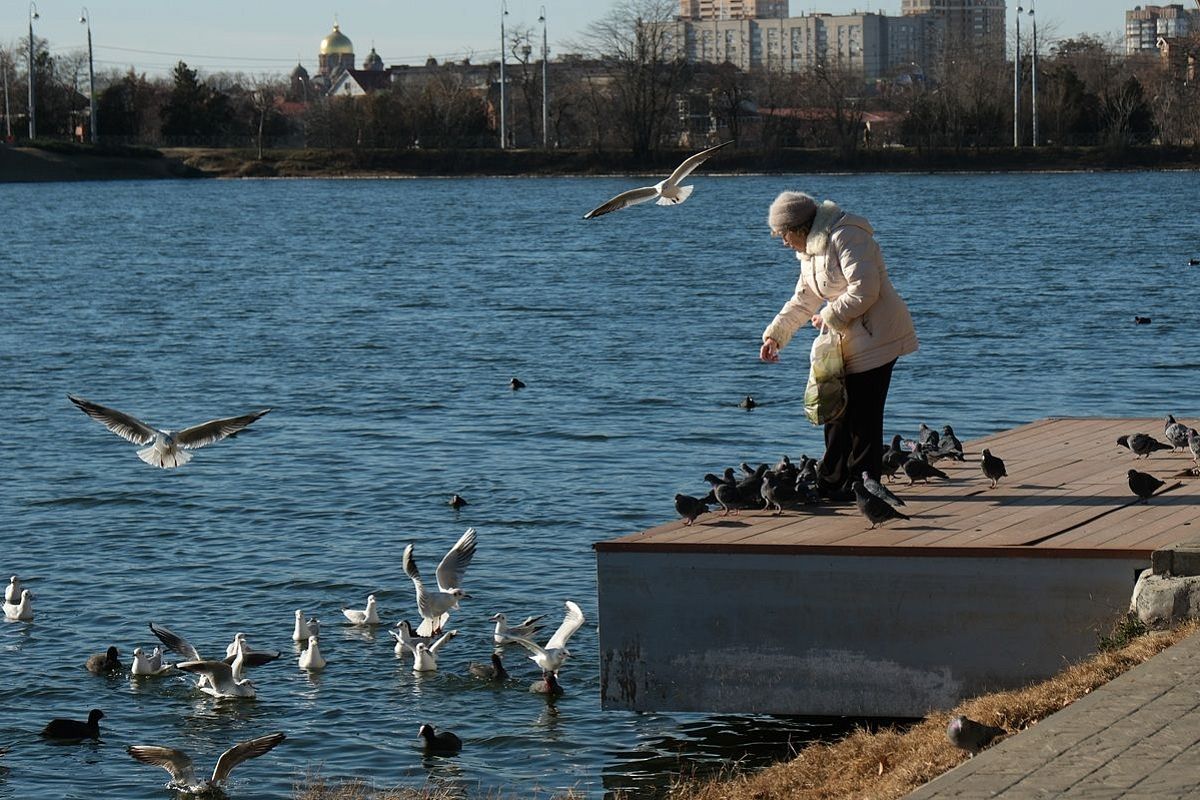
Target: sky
x: 270, y: 36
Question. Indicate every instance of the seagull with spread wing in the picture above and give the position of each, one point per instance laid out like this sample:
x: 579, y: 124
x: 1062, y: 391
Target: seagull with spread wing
x: 668, y: 191
x: 434, y: 605
x: 165, y: 448
x: 551, y: 657
x: 179, y: 764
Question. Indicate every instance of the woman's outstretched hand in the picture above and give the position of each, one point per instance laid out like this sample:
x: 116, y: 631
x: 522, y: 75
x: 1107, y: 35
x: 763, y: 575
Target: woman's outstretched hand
x: 817, y: 322
x: 769, y: 351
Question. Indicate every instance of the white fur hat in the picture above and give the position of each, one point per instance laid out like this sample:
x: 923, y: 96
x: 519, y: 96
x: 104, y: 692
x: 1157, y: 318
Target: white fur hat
x: 791, y: 210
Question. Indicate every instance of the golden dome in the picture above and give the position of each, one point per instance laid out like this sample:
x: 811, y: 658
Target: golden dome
x: 336, y: 43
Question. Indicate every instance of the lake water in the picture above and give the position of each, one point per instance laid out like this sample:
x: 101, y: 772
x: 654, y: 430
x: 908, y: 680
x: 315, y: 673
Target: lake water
x: 382, y: 321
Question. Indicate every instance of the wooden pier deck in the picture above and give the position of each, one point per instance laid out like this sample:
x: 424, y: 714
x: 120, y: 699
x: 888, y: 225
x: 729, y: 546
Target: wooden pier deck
x: 1066, y: 490
x: 811, y: 612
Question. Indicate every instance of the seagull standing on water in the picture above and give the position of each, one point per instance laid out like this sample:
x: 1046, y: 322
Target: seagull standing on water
x: 21, y: 611
x: 425, y: 655
x: 551, y: 657
x: 368, y: 616
x: 668, y: 191
x: 12, y: 592
x: 165, y: 448
x: 435, y: 605
x: 148, y: 664
x: 179, y: 763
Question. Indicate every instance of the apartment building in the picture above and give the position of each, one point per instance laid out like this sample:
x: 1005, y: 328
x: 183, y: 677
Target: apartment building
x: 1145, y: 25
x: 732, y: 9
x: 972, y: 26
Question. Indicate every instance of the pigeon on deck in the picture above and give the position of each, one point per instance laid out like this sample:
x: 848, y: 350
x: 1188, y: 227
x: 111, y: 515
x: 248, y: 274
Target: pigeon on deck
x: 1176, y: 433
x: 668, y: 191
x: 967, y: 734
x: 918, y: 469
x: 1142, y: 444
x: 689, y: 507
x: 1143, y: 484
x: 879, y: 490
x: 993, y: 467
x: 875, y: 509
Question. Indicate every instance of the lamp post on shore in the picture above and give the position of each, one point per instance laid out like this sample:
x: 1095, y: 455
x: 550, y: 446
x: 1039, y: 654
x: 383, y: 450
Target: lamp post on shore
x: 503, y: 45
x: 1017, y: 84
x: 33, y: 14
x: 85, y: 17
x: 1033, y: 83
x: 545, y: 85
x: 7, y: 115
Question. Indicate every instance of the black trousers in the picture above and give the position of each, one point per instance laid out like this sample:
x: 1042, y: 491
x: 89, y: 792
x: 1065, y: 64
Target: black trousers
x: 854, y: 442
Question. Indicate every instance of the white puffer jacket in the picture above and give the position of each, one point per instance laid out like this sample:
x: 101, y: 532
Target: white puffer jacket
x: 843, y: 268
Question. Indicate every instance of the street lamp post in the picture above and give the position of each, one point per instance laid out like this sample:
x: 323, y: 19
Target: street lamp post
x: 545, y: 85
x: 503, y: 45
x: 85, y: 17
x: 1033, y: 83
x: 1017, y: 84
x: 7, y: 116
x: 33, y: 14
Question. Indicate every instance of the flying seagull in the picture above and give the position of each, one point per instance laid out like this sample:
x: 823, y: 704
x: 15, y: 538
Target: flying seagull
x: 551, y: 657
x: 164, y: 448
x: 434, y: 604
x: 668, y: 191
x: 179, y: 763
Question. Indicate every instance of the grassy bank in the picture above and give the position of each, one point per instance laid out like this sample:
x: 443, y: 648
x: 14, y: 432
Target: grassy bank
x: 367, y: 162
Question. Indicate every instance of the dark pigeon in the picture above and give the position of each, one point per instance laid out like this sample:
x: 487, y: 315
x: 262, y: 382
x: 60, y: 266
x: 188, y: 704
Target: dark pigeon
x: 927, y: 437
x: 750, y: 488
x: 689, y: 507
x: 1176, y: 433
x: 993, y: 467
x: 74, y: 729
x: 489, y: 672
x: 876, y: 511
x: 967, y: 734
x: 879, y: 490
x: 770, y: 490
x: 442, y: 743
x: 104, y: 663
x: 918, y: 469
x: 726, y: 494
x: 1194, y: 444
x: 1142, y: 444
x: 1143, y: 484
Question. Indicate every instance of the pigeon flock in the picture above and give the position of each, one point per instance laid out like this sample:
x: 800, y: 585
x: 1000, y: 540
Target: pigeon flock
x: 793, y: 485
x: 226, y: 677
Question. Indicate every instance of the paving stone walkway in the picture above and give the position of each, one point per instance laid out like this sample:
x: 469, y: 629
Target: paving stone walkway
x: 1137, y: 736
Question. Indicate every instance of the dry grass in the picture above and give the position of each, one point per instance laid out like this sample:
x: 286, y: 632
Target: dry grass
x: 889, y: 764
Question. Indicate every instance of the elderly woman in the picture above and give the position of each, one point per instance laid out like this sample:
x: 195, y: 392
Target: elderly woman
x: 844, y: 286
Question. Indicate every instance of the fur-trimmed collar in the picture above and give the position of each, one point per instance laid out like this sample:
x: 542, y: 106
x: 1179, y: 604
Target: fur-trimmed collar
x: 818, y: 236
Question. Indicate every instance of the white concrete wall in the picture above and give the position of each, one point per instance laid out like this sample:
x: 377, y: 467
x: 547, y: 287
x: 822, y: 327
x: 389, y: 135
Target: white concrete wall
x: 843, y: 635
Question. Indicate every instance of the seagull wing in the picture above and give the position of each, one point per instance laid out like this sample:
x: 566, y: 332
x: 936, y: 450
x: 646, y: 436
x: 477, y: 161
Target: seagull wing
x: 218, y: 671
x: 691, y: 162
x: 176, y: 762
x: 255, y: 658
x: 629, y: 198
x: 214, y: 430
x: 572, y: 621
x: 450, y: 571
x: 528, y: 644
x: 175, y: 642
x: 410, y: 567
x: 447, y: 636
x: 129, y: 428
x: 244, y: 751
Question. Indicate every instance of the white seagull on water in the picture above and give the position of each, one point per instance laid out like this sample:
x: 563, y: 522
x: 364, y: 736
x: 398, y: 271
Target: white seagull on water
x: 165, y: 448
x: 368, y: 616
x: 179, y: 763
x: 668, y: 191
x: 435, y: 606
x: 551, y: 657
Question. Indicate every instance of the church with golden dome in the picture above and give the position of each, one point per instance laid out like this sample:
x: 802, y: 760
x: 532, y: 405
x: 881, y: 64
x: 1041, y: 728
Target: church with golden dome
x: 336, y: 51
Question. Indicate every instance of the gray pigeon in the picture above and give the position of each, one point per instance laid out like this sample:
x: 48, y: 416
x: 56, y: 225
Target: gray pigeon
x: 1194, y: 444
x: 1176, y: 433
x: 993, y: 468
x: 1142, y: 444
x: 927, y: 437
x: 876, y: 511
x: 918, y: 469
x: 769, y: 490
x: 1143, y: 484
x: 967, y: 734
x: 726, y: 494
x: 689, y: 507
x: 879, y: 490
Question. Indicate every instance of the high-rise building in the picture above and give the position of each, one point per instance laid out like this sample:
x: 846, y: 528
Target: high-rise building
x: 972, y: 26
x: 733, y: 9
x: 1145, y: 25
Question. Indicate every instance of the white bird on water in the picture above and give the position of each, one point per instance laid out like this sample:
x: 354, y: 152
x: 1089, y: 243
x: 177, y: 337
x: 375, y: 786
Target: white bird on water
x: 220, y: 679
x: 12, y: 592
x: 21, y: 611
x: 425, y: 655
x: 551, y: 657
x: 179, y: 764
x: 305, y: 628
x: 368, y: 616
x: 311, y: 659
x: 148, y: 664
x: 668, y: 191
x: 406, y: 638
x: 165, y: 448
x: 527, y: 628
x: 435, y: 606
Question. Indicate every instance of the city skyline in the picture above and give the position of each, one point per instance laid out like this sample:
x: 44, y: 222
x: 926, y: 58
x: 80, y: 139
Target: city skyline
x: 270, y: 36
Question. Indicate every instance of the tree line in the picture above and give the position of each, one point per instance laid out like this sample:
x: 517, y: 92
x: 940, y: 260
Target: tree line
x: 631, y: 91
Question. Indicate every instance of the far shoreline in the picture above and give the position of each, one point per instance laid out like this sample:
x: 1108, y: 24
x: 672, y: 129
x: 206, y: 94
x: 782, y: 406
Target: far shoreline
x: 70, y: 162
